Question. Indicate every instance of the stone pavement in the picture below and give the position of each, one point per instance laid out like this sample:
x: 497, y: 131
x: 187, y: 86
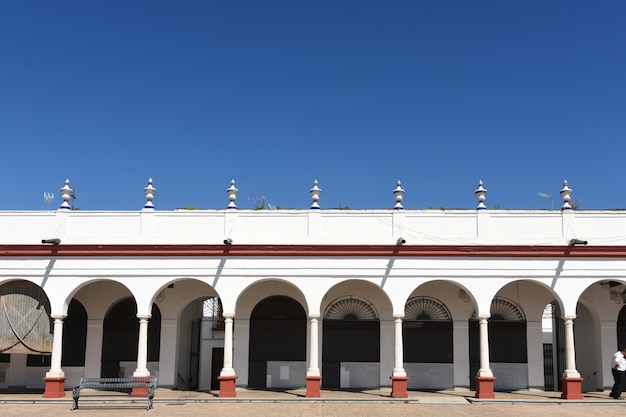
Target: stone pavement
x: 289, y: 403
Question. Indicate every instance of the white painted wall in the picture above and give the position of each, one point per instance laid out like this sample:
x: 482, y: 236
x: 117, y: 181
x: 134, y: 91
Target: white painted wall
x: 315, y: 282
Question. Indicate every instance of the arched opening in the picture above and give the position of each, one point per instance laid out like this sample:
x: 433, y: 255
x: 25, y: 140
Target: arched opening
x: 121, y: 337
x: 351, y: 345
x: 277, y: 344
x: 26, y: 328
x: 428, y: 343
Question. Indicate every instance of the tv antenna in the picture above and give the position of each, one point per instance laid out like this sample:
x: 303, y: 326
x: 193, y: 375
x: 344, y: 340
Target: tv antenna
x: 73, y: 197
x: 547, y: 197
x: 48, y: 197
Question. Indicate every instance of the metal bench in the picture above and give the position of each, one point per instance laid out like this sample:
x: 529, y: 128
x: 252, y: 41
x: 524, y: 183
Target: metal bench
x: 116, y: 384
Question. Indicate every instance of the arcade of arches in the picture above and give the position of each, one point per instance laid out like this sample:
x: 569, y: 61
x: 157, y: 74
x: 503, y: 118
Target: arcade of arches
x: 352, y: 337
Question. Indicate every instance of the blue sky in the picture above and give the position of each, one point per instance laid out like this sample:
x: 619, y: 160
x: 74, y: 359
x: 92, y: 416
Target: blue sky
x: 356, y: 94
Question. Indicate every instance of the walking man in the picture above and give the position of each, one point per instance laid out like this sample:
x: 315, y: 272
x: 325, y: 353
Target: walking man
x: 619, y: 373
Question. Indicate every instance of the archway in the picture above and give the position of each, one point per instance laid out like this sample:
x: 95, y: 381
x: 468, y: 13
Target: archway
x: 26, y: 331
x: 351, y: 344
x: 277, y: 344
x: 121, y: 336
x: 188, y: 338
x: 428, y: 343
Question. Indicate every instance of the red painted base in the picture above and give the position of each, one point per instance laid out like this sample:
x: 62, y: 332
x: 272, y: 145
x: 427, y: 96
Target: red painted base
x: 398, y: 386
x: 572, y: 388
x: 313, y: 386
x: 55, y: 387
x: 227, y: 386
x: 139, y: 391
x: 484, y: 387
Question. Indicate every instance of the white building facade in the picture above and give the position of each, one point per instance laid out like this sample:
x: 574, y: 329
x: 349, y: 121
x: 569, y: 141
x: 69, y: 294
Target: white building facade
x: 344, y: 299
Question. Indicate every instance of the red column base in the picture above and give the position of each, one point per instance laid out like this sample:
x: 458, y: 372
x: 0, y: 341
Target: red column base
x: 313, y: 386
x: 398, y: 386
x: 572, y: 388
x: 484, y: 387
x: 55, y: 387
x: 227, y: 386
x: 139, y: 391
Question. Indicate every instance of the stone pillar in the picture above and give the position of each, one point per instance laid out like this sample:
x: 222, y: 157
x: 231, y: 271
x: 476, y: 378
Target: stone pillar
x: 142, y: 348
x: 313, y: 377
x: 228, y: 377
x: 142, y: 356
x: 571, y: 380
x: 55, y: 377
x: 484, y: 378
x: 398, y: 378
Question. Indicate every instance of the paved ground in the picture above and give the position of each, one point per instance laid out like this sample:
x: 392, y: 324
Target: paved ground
x: 318, y: 410
x: 376, y: 403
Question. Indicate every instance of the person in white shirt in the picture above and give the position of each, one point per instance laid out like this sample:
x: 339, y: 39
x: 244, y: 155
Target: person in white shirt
x: 618, y: 370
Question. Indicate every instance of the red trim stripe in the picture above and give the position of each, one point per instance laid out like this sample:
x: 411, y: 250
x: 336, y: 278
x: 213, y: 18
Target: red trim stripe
x: 164, y: 250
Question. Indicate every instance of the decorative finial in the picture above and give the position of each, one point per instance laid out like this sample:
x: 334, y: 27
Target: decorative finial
x: 232, y: 195
x: 149, y: 191
x: 399, y: 193
x: 481, y: 195
x: 66, y: 194
x: 315, y: 196
x: 566, y: 195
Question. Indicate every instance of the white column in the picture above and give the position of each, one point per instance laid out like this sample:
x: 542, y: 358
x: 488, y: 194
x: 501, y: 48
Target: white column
x: 398, y: 368
x: 570, y: 353
x: 57, y: 349
x: 485, y: 369
x: 142, y: 348
x: 314, y: 367
x: 228, y: 370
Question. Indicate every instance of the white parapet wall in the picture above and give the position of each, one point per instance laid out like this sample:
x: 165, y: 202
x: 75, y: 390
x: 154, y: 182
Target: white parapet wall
x: 423, y: 227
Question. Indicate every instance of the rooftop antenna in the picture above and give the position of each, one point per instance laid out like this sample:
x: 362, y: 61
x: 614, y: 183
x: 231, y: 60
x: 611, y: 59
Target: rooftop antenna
x: 48, y: 197
x: 547, y: 197
x: 73, y: 197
